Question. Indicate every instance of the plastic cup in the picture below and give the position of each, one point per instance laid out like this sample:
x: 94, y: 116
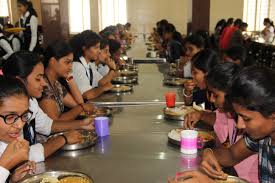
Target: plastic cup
x: 102, y: 126
x: 170, y: 98
x: 190, y: 142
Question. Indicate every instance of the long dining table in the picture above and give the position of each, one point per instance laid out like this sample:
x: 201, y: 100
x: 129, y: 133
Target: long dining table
x: 137, y: 149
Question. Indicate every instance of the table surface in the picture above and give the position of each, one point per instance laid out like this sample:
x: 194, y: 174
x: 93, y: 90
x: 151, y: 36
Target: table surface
x: 137, y: 149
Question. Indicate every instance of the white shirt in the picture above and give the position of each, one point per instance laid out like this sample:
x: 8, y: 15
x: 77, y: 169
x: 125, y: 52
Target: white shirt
x: 4, y: 44
x: 43, y: 123
x: 81, y: 74
x: 270, y: 35
x: 96, y: 75
x: 103, y: 69
x: 15, y: 43
x: 4, y: 174
x: 187, y: 70
x: 34, y: 26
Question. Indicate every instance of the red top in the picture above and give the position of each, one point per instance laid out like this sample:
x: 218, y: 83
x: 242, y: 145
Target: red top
x: 226, y: 36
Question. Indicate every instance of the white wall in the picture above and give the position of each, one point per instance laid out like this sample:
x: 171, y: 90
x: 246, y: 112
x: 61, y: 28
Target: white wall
x: 220, y: 9
x: 143, y: 14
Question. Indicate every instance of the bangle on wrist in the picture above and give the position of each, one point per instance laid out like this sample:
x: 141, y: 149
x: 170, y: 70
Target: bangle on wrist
x: 209, y: 149
x: 187, y: 96
x: 68, y: 79
x: 65, y: 138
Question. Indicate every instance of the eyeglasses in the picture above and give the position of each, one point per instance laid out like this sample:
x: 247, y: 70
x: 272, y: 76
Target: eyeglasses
x: 12, y: 118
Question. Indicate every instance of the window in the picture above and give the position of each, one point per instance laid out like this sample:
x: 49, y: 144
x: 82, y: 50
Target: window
x: 79, y: 15
x: 254, y: 13
x: 4, y: 8
x: 112, y: 12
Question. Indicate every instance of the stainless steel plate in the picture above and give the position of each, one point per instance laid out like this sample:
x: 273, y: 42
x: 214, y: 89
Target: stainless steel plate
x: 56, y: 174
x: 126, y: 72
x: 121, y: 88
x: 232, y: 179
x: 174, y: 81
x: 125, y: 80
x: 205, y: 143
x: 101, y: 111
x: 130, y: 67
x: 90, y: 139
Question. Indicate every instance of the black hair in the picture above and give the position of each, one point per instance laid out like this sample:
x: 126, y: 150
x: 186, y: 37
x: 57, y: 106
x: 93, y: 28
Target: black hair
x: 230, y: 21
x: 104, y: 43
x: 196, y: 40
x: 10, y: 86
x: 85, y: 39
x: 221, y: 76
x: 220, y: 23
x: 237, y: 53
x: 178, y: 37
x: 267, y: 20
x: 244, y: 24
x: 114, y: 46
x: 57, y: 49
x: 128, y: 24
x: 30, y: 6
x: 254, y: 89
x: 111, y: 28
x: 240, y: 53
x: 205, y: 60
x: 21, y: 64
x: 105, y: 34
x: 169, y: 28
x: 206, y: 37
x: 161, y: 26
x: 238, y: 22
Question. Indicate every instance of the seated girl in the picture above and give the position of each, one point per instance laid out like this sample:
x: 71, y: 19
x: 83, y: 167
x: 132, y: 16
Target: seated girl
x: 202, y: 63
x: 252, y: 96
x: 115, y: 51
x: 219, y: 81
x: 29, y: 69
x: 86, y: 47
x: 14, y: 114
x: 193, y: 45
x: 103, y: 68
x: 58, y: 65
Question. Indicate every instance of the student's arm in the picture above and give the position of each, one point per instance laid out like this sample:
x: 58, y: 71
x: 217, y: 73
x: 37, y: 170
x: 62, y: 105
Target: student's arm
x: 193, y: 118
x: 7, y: 47
x: 95, y: 92
x: 16, y: 45
x: 107, y: 79
x: 75, y: 93
x: 49, y: 106
x: 60, y: 126
x: 52, y: 145
x: 34, y: 26
x: 226, y: 157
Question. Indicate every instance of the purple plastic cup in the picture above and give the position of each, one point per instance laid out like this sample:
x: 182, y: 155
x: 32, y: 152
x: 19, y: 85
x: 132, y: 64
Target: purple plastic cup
x: 102, y: 126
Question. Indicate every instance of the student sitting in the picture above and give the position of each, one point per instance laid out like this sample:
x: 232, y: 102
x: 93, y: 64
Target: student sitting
x: 13, y: 39
x: 104, y: 65
x: 58, y: 65
x: 193, y: 45
x: 14, y: 114
x: 5, y: 48
x: 252, y: 96
x: 115, y: 51
x: 87, y: 47
x: 29, y: 69
x: 202, y: 63
x: 219, y: 81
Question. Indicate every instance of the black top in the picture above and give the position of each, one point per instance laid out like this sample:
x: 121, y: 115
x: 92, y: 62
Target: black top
x: 200, y: 96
